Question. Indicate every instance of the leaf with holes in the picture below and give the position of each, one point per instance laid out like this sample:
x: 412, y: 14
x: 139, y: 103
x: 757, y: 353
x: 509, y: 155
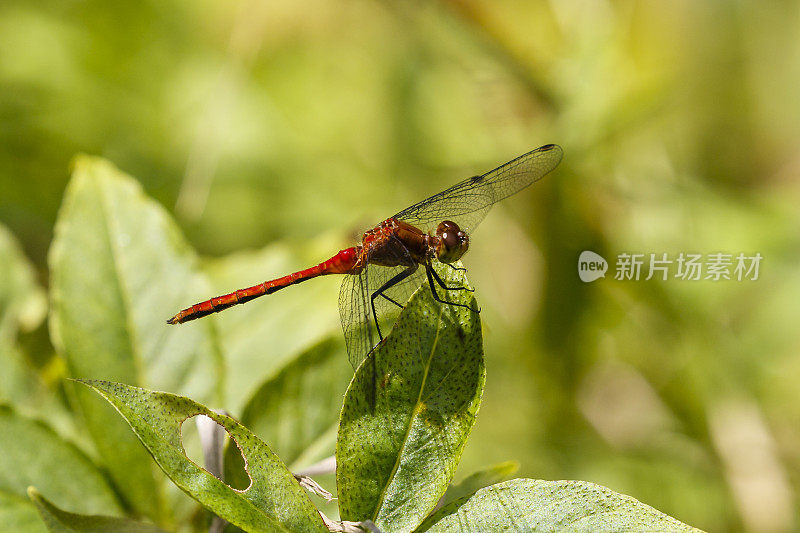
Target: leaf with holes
x: 550, y: 506
x: 273, y: 502
x: 409, y: 410
x: 297, y: 410
x: 60, y: 521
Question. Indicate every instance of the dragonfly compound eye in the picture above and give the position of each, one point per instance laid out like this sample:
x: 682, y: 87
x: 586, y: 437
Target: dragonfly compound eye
x: 453, y: 242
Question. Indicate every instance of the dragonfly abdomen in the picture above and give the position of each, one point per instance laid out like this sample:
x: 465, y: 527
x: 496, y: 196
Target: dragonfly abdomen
x: 343, y: 262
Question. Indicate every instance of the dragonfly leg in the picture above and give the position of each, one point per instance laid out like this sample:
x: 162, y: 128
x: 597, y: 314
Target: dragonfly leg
x: 460, y: 269
x: 386, y: 286
x: 395, y: 302
x: 441, y: 282
x: 431, y: 273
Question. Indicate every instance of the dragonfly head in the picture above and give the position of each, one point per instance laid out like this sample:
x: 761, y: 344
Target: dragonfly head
x: 452, y: 242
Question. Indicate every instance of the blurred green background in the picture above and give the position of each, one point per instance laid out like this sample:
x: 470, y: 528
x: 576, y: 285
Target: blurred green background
x: 297, y: 125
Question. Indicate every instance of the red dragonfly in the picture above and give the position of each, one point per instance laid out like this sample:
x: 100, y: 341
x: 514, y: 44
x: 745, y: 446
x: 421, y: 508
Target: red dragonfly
x: 384, y: 269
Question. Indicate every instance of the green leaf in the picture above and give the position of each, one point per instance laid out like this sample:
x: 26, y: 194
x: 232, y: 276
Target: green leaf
x: 119, y: 268
x: 273, y: 502
x: 243, y: 329
x: 19, y: 515
x: 297, y: 410
x: 478, y: 480
x: 23, y: 306
x: 409, y: 410
x: 33, y: 454
x: 59, y: 521
x: 550, y: 506
x: 23, y: 388
x: 22, y: 301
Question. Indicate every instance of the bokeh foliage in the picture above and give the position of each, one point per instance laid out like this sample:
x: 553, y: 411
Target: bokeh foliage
x: 303, y: 123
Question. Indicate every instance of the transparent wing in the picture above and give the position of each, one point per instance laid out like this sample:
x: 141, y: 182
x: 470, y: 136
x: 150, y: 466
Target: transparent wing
x: 356, y: 309
x: 467, y: 202
x: 355, y: 315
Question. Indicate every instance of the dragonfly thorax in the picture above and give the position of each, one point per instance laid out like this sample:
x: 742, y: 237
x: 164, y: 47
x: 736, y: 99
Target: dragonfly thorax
x: 451, y: 242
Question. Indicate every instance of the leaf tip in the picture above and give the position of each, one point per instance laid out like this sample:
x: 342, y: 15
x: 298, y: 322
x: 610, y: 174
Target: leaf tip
x: 98, y: 385
x: 79, y: 162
